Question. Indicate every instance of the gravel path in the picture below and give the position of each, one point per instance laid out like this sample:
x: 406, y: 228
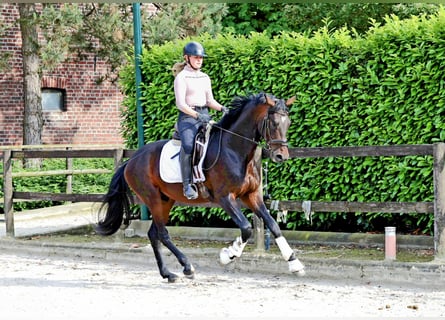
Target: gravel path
x: 55, y: 287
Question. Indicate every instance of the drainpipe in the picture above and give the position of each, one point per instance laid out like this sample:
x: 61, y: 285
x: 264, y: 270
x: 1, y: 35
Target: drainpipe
x: 137, y: 60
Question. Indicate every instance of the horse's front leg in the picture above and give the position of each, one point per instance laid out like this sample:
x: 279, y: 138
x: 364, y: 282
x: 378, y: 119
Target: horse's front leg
x: 235, y: 250
x: 255, y: 203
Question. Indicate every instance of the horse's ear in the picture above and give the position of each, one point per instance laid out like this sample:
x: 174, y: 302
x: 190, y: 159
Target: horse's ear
x: 290, y: 101
x: 270, y: 101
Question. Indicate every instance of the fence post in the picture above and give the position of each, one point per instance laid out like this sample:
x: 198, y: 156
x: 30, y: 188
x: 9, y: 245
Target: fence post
x: 258, y: 223
x: 439, y: 199
x: 69, y: 177
x: 118, y: 158
x: 8, y: 193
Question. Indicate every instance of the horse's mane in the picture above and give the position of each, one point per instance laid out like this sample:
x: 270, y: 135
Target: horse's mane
x: 237, y: 106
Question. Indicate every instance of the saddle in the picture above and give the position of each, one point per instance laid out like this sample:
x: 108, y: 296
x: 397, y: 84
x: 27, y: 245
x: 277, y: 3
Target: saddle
x: 170, y: 166
x: 199, y: 150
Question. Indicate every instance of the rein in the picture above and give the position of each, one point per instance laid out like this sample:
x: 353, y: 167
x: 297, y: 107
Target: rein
x: 265, y: 132
x: 219, y: 143
x: 236, y: 134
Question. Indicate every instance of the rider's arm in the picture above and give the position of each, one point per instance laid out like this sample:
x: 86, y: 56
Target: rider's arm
x: 211, y: 102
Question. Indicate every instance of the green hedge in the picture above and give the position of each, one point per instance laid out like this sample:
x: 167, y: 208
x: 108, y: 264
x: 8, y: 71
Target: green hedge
x: 383, y: 88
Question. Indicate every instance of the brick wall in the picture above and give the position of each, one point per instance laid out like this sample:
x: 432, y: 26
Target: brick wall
x: 92, y: 113
x: 11, y: 91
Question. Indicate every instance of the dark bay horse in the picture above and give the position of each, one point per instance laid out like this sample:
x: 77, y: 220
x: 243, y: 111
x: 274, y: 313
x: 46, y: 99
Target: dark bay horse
x: 232, y: 172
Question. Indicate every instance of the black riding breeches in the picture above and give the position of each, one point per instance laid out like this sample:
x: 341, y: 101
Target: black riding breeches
x: 188, y: 127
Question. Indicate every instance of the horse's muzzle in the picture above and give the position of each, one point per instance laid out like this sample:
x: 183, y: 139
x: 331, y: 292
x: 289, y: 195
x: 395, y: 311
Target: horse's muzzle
x: 280, y: 154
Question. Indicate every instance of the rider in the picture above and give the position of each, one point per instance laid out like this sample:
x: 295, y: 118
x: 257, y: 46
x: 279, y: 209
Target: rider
x: 193, y: 93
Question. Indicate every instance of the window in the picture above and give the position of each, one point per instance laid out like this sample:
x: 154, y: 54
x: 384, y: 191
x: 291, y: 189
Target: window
x: 53, y: 99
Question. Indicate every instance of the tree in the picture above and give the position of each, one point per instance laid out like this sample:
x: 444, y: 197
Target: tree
x: 180, y: 20
x: 272, y: 18
x: 32, y: 119
x: 244, y: 18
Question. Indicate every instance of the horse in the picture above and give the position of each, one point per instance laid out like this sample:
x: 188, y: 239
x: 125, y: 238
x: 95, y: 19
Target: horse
x: 232, y: 171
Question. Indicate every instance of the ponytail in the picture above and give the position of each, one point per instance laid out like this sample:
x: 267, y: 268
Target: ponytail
x: 178, y: 67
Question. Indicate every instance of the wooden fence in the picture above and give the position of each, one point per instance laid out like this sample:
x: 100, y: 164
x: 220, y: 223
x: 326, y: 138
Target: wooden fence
x: 437, y: 151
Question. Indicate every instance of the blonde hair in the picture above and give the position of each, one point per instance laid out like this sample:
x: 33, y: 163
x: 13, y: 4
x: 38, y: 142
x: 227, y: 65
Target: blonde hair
x: 178, y: 67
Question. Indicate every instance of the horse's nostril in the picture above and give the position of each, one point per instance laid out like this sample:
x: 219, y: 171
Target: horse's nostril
x: 279, y: 157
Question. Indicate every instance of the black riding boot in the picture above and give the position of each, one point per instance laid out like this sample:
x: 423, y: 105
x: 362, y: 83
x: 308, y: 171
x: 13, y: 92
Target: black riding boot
x: 186, y: 172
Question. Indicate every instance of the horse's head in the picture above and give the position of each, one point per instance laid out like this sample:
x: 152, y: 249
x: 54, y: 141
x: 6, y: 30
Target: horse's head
x: 257, y: 117
x: 274, y: 128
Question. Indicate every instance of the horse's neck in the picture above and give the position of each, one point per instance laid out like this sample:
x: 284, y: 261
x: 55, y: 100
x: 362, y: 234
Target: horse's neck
x: 240, y: 139
x: 245, y: 134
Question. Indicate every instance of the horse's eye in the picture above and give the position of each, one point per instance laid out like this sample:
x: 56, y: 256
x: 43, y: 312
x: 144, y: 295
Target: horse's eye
x: 274, y: 124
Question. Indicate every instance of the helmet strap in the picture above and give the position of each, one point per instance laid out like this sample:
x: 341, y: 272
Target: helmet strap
x: 187, y: 59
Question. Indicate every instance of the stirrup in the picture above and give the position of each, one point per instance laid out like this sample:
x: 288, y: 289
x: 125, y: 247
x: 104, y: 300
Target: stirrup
x: 190, y: 192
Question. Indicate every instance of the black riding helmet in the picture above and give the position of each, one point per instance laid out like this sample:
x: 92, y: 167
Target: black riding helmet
x: 194, y: 49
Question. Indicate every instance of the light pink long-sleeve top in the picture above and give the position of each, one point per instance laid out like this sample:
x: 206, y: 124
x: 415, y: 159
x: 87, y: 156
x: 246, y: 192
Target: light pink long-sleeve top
x: 194, y: 88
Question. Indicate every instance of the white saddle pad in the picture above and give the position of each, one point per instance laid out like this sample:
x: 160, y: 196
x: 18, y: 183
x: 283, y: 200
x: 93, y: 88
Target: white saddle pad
x: 169, y: 167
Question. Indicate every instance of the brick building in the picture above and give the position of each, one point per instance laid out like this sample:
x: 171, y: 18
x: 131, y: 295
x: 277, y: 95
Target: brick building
x: 91, y: 110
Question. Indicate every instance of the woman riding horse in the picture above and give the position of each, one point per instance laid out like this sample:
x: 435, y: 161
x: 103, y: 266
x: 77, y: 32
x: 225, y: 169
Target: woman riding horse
x: 232, y: 171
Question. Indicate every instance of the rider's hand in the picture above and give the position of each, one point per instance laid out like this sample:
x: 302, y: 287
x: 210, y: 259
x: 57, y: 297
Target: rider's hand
x: 224, y: 110
x: 204, y: 117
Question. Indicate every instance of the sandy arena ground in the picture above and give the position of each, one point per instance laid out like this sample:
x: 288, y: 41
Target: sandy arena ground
x: 46, y: 287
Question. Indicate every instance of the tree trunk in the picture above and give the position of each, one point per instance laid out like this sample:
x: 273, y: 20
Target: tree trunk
x: 32, y: 118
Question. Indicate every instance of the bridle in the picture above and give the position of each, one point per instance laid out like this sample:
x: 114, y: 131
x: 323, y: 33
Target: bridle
x: 265, y: 129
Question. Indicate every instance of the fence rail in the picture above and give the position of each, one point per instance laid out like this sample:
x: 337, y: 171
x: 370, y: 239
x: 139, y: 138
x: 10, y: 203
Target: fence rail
x: 437, y: 151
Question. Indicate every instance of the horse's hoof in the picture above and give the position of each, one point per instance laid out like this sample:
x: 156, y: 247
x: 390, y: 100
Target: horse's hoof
x: 190, y: 276
x: 300, y: 273
x: 190, y: 273
x: 172, y: 278
x: 296, y: 267
x: 224, y: 256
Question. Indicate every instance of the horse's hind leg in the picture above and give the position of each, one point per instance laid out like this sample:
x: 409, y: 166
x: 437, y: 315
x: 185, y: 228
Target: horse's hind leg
x: 156, y: 245
x: 158, y: 234
x: 189, y: 270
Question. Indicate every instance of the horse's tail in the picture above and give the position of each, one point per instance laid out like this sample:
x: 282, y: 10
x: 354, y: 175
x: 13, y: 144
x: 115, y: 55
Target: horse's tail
x: 116, y: 202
